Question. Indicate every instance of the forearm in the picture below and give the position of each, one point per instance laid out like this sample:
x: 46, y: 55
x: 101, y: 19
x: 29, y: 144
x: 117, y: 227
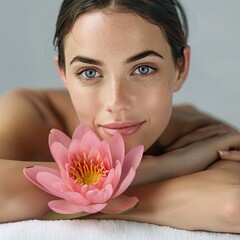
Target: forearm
x: 176, y: 203
x: 159, y: 168
x: 206, y: 201
x: 173, y: 164
x: 19, y: 198
x: 151, y: 170
x: 187, y: 159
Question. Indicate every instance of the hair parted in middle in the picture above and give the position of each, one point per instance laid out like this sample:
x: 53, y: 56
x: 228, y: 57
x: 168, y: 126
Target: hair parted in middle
x: 169, y: 15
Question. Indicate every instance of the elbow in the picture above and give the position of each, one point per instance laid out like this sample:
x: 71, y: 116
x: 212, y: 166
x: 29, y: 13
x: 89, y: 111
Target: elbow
x: 11, y: 209
x: 231, y: 211
x: 8, y: 209
x: 18, y: 209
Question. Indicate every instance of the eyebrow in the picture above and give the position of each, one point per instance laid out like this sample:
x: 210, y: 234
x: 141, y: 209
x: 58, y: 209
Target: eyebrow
x: 129, y: 60
x: 86, y: 60
x: 143, y: 55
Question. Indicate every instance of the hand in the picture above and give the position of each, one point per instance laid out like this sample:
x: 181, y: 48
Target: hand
x: 200, y: 155
x: 192, y: 153
x: 201, y: 134
x: 208, y: 132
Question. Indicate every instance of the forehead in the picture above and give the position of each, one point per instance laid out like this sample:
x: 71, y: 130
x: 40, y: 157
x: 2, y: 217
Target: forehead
x: 113, y: 31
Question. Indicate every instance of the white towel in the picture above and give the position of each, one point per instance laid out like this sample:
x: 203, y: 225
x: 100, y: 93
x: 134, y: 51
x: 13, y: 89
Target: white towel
x: 100, y: 230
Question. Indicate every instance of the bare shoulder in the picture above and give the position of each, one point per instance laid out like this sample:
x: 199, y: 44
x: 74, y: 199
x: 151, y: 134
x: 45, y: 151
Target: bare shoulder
x: 27, y: 116
x: 58, y: 104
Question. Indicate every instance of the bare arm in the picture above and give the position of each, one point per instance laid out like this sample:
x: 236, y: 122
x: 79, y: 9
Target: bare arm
x: 186, y: 146
x: 28, y: 116
x: 175, y: 202
x: 19, y: 198
x: 192, y: 158
x: 23, y: 136
x: 207, y: 200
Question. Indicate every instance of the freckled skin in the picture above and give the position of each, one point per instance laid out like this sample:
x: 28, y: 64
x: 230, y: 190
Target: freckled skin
x: 119, y: 93
x: 202, y: 199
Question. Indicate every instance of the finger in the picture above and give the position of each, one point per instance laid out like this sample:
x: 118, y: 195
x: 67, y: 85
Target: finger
x: 229, y: 155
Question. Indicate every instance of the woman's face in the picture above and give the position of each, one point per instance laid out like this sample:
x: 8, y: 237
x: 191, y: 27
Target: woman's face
x: 120, y: 75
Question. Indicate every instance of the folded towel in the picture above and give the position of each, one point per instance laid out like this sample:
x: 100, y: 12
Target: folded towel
x: 100, y: 229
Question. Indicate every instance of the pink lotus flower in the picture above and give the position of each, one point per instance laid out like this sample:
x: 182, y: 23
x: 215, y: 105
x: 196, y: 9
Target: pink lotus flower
x: 92, y: 174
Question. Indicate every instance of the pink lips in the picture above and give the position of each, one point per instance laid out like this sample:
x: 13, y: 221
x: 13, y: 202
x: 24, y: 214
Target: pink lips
x: 123, y: 128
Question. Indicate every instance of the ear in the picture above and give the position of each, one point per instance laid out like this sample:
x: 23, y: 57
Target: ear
x: 61, y: 71
x: 183, y: 69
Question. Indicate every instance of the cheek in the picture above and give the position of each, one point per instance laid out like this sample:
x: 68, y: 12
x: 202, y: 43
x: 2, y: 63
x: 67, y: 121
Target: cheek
x: 84, y: 104
x: 158, y: 106
x: 157, y: 99
x: 160, y: 111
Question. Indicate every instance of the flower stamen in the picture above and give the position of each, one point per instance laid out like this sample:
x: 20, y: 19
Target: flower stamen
x: 88, y: 172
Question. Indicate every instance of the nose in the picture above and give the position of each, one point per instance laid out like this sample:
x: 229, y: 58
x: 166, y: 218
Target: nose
x: 120, y: 95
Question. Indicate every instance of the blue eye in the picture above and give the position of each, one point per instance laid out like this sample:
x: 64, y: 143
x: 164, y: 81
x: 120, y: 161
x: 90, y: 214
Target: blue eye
x: 89, y: 73
x: 143, y: 70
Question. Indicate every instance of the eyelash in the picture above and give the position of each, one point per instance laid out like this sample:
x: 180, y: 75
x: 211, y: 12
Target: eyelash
x: 151, y: 69
x: 79, y: 74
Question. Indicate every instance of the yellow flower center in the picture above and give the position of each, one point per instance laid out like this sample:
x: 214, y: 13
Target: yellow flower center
x: 86, y: 172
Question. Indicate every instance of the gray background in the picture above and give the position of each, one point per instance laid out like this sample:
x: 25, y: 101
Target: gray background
x: 26, y: 52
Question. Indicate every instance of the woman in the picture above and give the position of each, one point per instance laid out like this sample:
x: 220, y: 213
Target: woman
x: 121, y: 62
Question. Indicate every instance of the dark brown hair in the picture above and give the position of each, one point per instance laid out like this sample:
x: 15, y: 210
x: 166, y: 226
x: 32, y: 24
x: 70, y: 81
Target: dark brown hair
x: 167, y: 14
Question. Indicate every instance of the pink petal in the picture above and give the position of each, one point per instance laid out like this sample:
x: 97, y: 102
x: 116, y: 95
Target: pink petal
x: 76, y: 198
x: 93, y: 208
x: 31, y: 174
x: 53, y: 184
x: 105, y: 154
x: 80, y: 132
x: 89, y: 140
x: 116, y: 145
x: 75, y: 186
x: 120, y: 204
x: 133, y: 159
x: 58, y: 136
x: 109, y: 178
x: 114, y: 176
x: 100, y: 196
x: 93, y: 154
x: 84, y: 190
x: 60, y: 155
x: 125, y: 183
x: 131, y: 162
x: 64, y: 207
x: 77, y: 150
